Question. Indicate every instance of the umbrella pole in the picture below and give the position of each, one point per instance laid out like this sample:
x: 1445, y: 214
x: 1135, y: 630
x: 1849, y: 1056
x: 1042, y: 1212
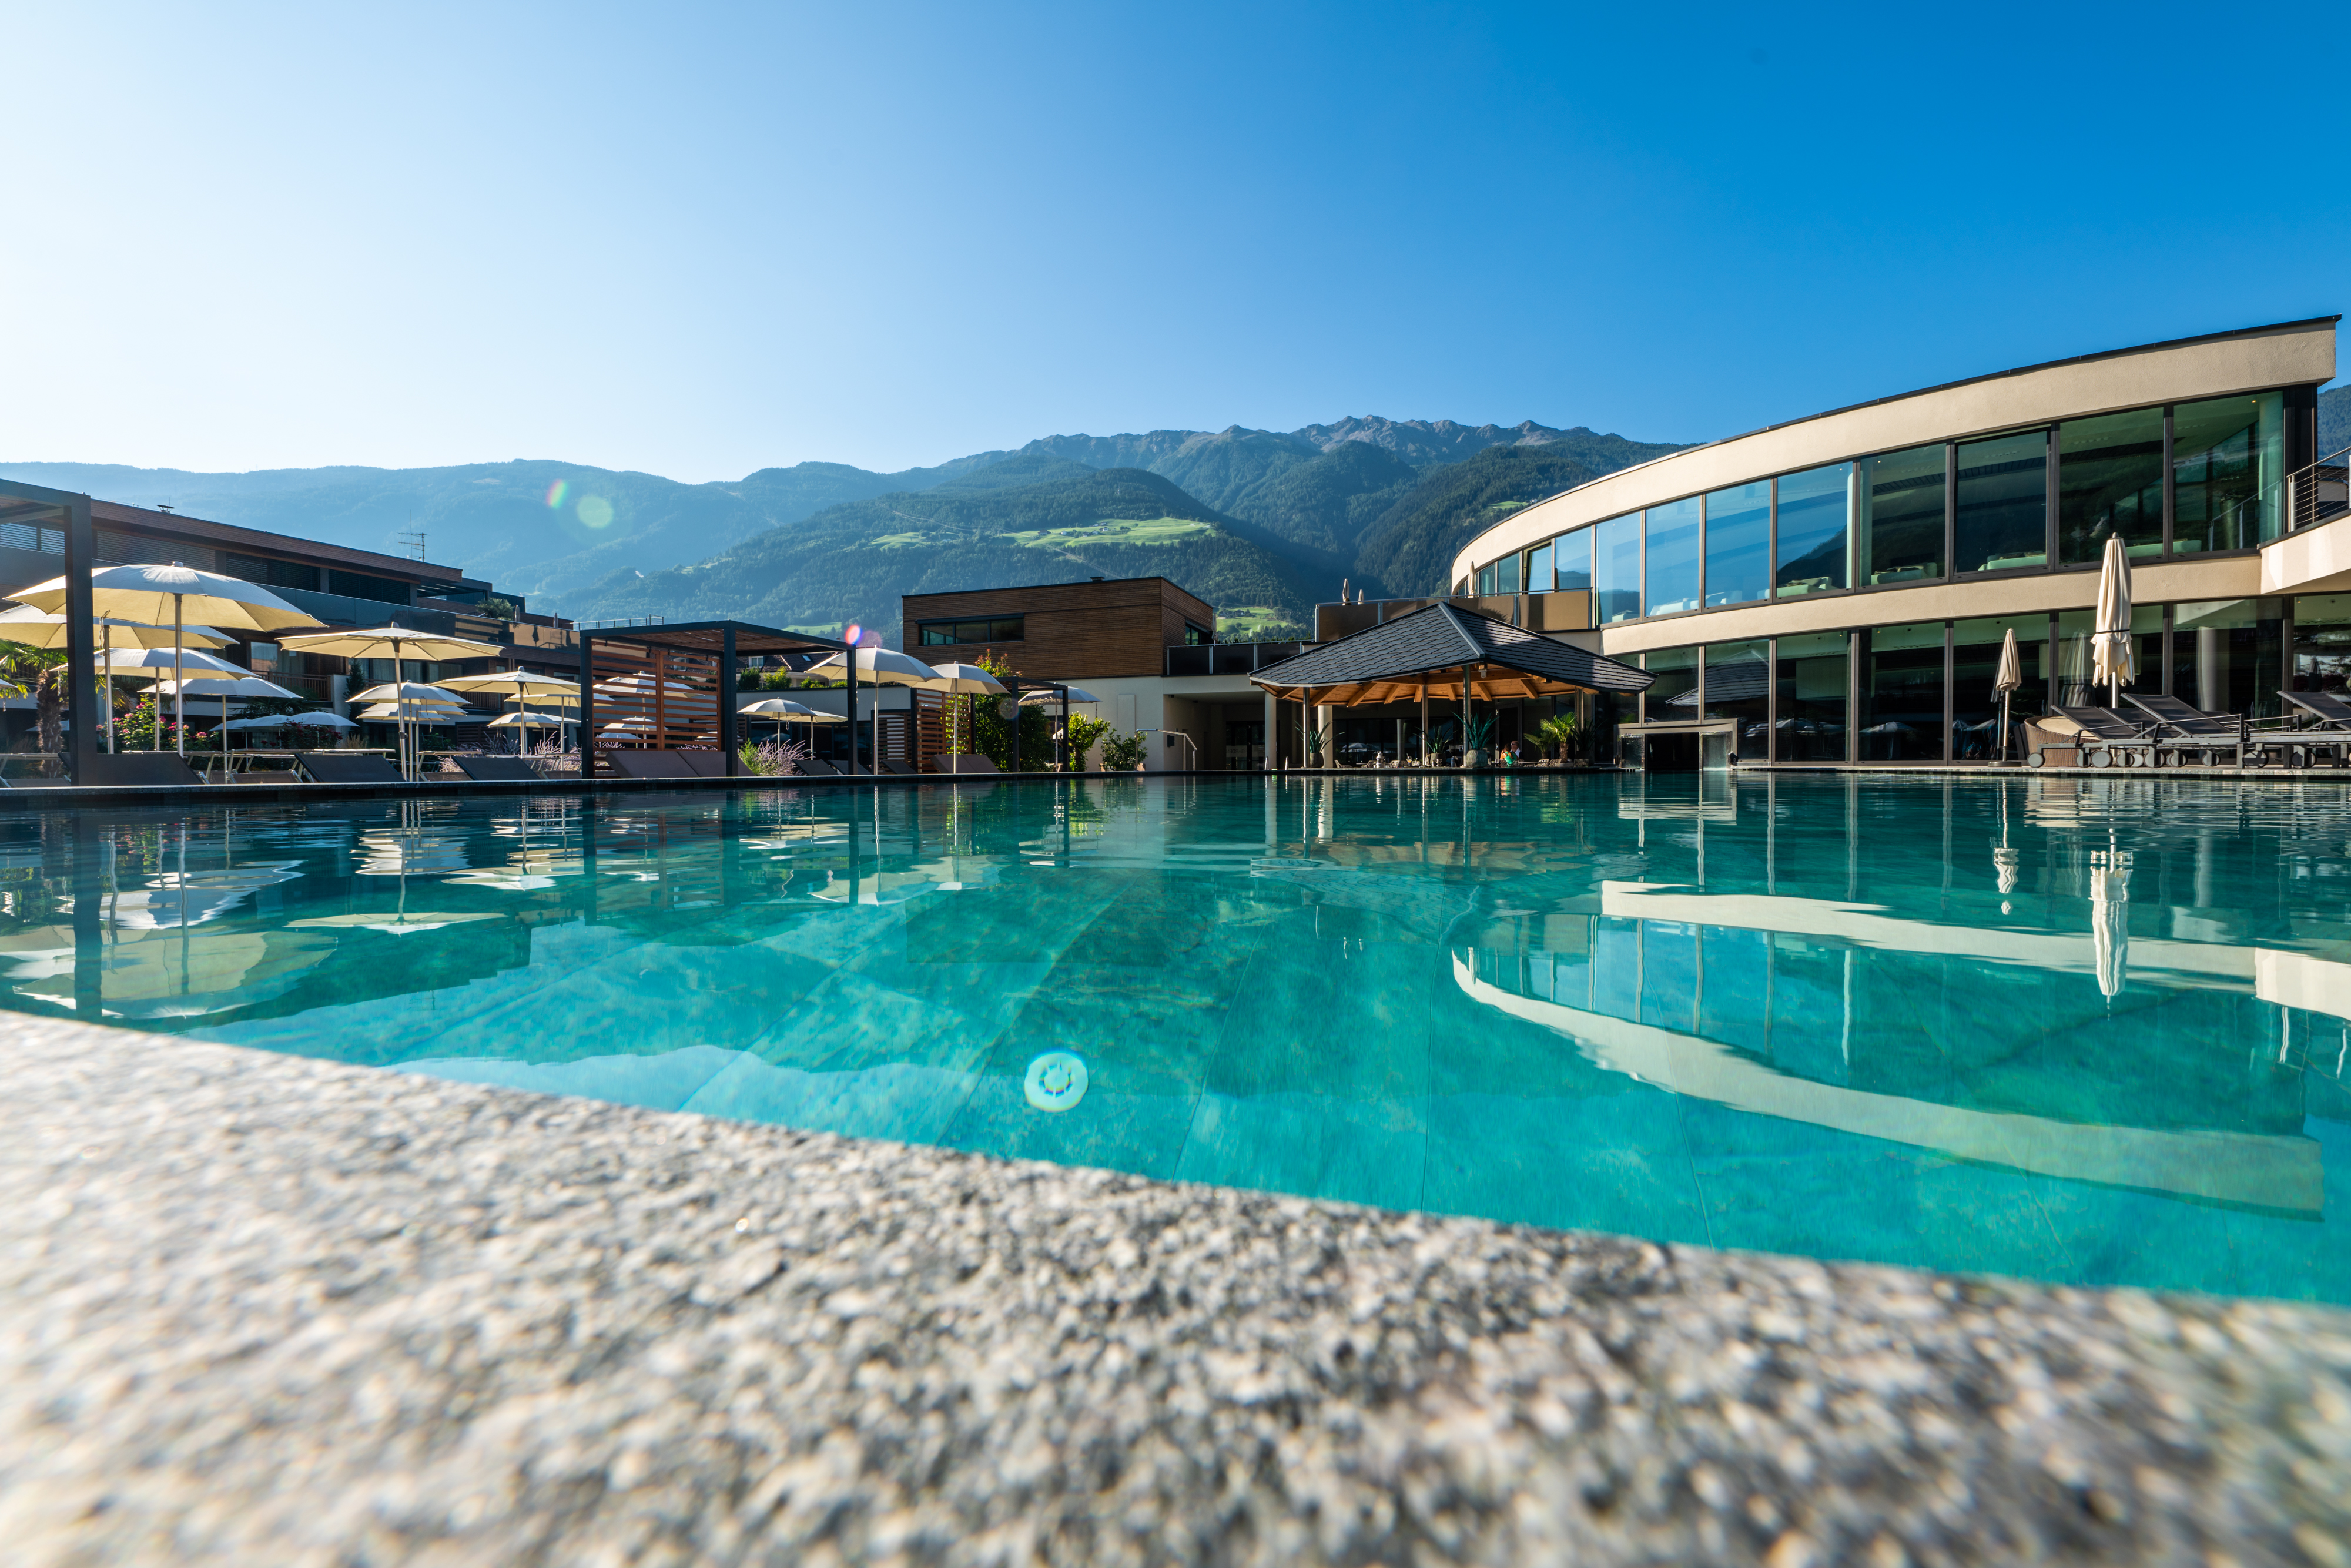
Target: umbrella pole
x: 109, y: 690
x: 179, y: 684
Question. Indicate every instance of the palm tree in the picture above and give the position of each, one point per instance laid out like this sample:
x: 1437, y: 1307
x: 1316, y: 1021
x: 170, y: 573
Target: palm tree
x: 42, y: 672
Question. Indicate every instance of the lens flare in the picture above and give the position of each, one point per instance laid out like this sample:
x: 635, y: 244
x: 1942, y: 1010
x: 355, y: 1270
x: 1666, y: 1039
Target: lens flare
x: 850, y: 635
x: 595, y: 511
x: 555, y: 494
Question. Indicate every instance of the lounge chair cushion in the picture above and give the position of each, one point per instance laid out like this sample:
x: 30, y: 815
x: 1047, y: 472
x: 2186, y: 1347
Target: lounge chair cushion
x: 497, y: 769
x: 707, y: 764
x: 140, y: 769
x: 632, y: 762
x: 347, y: 767
x: 964, y: 762
x: 815, y: 770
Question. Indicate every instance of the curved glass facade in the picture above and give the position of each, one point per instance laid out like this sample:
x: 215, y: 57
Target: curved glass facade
x: 2172, y: 481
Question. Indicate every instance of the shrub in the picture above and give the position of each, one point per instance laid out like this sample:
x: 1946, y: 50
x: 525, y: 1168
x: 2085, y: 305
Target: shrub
x: 1122, y: 753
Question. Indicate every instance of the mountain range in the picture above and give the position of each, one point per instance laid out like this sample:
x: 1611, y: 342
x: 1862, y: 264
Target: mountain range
x: 1261, y: 523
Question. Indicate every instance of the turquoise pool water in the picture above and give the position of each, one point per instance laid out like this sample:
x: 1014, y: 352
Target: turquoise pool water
x: 2081, y: 1030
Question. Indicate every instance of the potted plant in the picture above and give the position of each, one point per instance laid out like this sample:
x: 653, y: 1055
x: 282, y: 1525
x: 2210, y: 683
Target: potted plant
x: 1475, y: 735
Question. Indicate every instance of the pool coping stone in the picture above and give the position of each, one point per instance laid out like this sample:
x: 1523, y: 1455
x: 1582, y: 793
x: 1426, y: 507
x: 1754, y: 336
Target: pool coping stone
x: 260, y: 1308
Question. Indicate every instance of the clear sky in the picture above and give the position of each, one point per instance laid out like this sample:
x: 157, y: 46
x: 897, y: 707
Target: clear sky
x: 702, y: 240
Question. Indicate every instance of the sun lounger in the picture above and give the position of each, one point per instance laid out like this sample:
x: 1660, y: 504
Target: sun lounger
x: 140, y: 769
x: 902, y: 768
x: 2106, y: 737
x: 630, y: 763
x: 810, y: 767
x: 351, y: 767
x: 2324, y: 707
x: 2331, y: 732
x: 497, y: 769
x: 2181, y: 728
x: 964, y: 762
x: 706, y: 764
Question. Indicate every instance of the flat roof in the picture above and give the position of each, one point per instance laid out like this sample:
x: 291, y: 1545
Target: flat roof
x: 2241, y: 332
x: 709, y: 637
x: 1065, y: 582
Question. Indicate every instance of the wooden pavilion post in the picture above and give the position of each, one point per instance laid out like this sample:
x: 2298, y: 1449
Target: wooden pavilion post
x: 727, y: 699
x: 587, y: 709
x: 661, y: 692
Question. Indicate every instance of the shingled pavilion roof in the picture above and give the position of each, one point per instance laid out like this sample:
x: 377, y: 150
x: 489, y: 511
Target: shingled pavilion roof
x: 1433, y: 648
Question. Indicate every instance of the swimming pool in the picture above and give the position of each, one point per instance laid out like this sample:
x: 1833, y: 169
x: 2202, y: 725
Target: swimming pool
x: 2085, y: 1030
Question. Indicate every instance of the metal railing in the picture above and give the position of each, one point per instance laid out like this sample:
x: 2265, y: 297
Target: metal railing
x: 2320, y: 493
x: 1228, y: 658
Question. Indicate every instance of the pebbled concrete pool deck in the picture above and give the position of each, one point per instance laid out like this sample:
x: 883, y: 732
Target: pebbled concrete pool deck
x: 261, y: 1309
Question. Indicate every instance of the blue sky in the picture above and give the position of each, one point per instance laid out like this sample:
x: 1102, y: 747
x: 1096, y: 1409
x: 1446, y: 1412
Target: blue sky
x: 702, y: 240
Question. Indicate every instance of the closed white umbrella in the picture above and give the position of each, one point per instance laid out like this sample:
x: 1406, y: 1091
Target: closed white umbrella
x: 1051, y: 696
x: 152, y: 593
x: 396, y: 644
x: 2009, y: 678
x: 2110, y: 922
x: 2113, y: 658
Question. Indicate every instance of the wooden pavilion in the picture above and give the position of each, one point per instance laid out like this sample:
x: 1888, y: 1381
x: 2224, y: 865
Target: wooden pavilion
x: 1445, y: 651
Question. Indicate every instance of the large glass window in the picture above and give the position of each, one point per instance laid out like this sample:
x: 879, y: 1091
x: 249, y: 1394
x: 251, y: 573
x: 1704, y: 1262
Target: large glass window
x: 1507, y: 579
x: 1539, y: 569
x: 1617, y: 566
x: 1674, y: 694
x: 1811, y: 681
x: 2226, y: 657
x: 2322, y: 643
x: 1488, y: 576
x: 946, y: 633
x: 2110, y: 481
x: 1571, y: 562
x: 1738, y: 686
x: 1975, y: 671
x: 1814, y: 507
x: 1739, y: 543
x: 2228, y: 464
x: 2001, y: 518
x: 1901, y: 521
x: 1902, y: 693
x: 2077, y: 658
x: 1672, y: 579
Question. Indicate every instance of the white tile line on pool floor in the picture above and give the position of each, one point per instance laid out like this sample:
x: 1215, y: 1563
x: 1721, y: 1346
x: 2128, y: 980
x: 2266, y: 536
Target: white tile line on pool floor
x: 261, y: 1308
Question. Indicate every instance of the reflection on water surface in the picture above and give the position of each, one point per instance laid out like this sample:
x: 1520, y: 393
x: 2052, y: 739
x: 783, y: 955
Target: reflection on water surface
x: 2086, y: 1030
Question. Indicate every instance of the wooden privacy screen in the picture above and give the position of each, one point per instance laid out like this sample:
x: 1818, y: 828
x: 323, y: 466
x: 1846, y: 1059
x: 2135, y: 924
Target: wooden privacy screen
x: 930, y: 728
x: 675, y: 697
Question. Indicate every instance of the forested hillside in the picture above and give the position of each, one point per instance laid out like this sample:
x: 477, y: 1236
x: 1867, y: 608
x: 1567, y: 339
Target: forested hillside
x: 852, y: 563
x: 1283, y: 516
x: 1409, y: 549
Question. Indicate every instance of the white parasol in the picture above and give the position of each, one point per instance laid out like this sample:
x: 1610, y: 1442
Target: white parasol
x: 2112, y: 659
x: 396, y: 644
x: 145, y: 592
x: 874, y: 666
x: 34, y: 628
x: 2009, y: 678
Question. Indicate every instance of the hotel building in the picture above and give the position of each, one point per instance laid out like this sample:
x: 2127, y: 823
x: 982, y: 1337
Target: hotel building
x: 1836, y: 588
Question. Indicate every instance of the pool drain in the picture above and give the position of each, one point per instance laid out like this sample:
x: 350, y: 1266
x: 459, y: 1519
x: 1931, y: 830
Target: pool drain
x: 1056, y: 1082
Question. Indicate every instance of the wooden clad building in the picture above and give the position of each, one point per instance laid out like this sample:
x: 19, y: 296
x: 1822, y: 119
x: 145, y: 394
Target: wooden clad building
x: 1059, y: 631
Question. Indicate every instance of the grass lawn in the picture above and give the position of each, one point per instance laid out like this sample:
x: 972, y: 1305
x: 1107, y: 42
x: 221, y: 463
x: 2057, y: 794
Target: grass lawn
x: 1114, y: 531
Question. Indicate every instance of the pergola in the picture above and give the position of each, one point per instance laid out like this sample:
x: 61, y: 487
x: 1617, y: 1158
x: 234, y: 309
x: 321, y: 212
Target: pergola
x: 721, y: 640
x: 1447, y: 652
